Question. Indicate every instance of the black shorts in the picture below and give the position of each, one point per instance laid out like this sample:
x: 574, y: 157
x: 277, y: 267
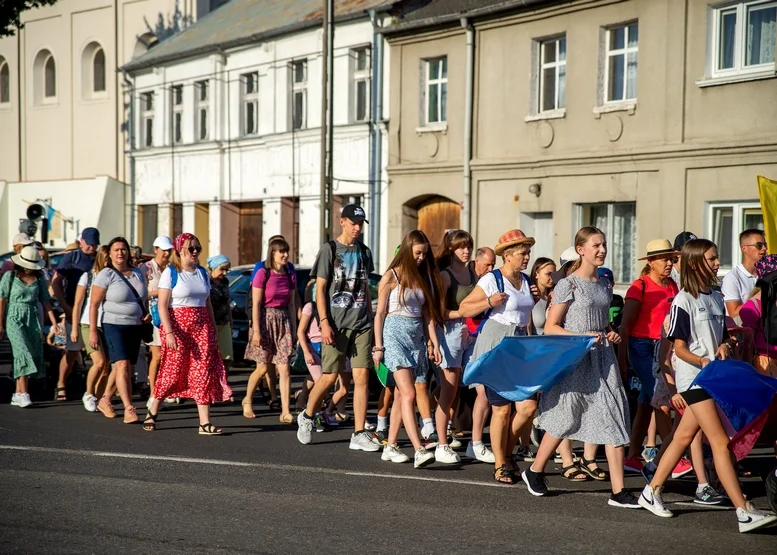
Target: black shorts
x: 123, y: 342
x: 496, y: 400
x: 693, y: 396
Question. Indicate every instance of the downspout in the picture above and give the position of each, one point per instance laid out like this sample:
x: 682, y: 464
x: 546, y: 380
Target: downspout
x: 116, y: 66
x: 376, y: 139
x: 20, y: 101
x: 131, y: 152
x: 469, y: 85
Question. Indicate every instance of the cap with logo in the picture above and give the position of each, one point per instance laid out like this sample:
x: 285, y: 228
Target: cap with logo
x: 91, y: 236
x: 683, y: 238
x: 22, y: 239
x: 355, y: 213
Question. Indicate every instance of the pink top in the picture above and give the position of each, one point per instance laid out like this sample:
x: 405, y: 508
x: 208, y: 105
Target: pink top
x: 750, y: 313
x: 314, y: 332
x: 277, y: 289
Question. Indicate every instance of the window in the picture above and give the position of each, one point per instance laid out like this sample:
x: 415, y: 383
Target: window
x: 5, y: 81
x: 726, y: 222
x: 620, y: 67
x: 436, y: 90
x: 743, y: 38
x: 44, y: 78
x: 98, y: 71
x: 299, y: 94
x: 49, y: 78
x: 201, y: 89
x: 250, y: 103
x: 618, y: 220
x: 553, y: 74
x: 147, y: 119
x: 360, y: 60
x: 176, y: 101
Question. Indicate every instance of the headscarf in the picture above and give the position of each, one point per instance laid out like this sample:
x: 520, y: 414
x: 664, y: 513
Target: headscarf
x: 766, y: 265
x: 217, y: 261
x: 181, y: 240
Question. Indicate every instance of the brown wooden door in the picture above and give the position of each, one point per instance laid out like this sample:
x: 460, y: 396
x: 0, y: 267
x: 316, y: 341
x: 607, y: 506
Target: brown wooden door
x: 437, y: 215
x: 250, y: 232
x: 290, y: 225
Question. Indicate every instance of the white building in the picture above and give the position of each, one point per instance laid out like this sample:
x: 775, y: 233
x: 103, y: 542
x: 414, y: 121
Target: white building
x: 227, y: 118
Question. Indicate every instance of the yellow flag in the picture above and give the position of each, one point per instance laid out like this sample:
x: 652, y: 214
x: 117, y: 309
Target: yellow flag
x: 767, y: 190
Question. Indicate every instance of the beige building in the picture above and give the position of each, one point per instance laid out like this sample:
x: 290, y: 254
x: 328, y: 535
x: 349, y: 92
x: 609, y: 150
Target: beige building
x: 643, y: 117
x: 63, y: 109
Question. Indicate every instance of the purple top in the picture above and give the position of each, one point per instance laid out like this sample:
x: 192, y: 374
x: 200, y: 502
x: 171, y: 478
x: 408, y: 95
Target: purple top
x: 750, y: 313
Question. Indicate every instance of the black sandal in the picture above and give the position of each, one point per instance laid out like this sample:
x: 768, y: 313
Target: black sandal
x: 275, y: 405
x: 149, y: 424
x: 577, y: 475
x: 209, y: 429
x: 595, y: 473
x: 59, y: 394
x: 504, y: 475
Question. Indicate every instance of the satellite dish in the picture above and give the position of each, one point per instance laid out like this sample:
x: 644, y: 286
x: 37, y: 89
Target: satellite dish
x: 35, y: 212
x: 28, y: 227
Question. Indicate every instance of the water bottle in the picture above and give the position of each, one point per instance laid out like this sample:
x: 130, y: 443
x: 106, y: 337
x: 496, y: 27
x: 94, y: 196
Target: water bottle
x: 59, y: 339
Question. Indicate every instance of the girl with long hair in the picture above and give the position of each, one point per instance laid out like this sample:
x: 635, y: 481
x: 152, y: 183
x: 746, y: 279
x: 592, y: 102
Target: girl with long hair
x: 191, y: 365
x: 274, y: 324
x: 410, y: 307
x: 589, y: 404
x: 697, y: 329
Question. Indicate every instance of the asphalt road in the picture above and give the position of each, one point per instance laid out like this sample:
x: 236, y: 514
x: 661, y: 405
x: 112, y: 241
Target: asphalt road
x: 75, y: 482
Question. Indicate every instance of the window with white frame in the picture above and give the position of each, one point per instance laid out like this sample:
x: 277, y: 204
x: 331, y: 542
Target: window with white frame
x: 620, y: 65
x: 176, y: 101
x: 202, y: 92
x: 5, y: 81
x: 98, y: 71
x: 618, y: 220
x: 360, y: 77
x: 743, y: 38
x: 147, y: 119
x: 726, y: 221
x: 250, y: 86
x: 552, y: 74
x: 435, y: 90
x: 299, y: 94
x: 49, y: 78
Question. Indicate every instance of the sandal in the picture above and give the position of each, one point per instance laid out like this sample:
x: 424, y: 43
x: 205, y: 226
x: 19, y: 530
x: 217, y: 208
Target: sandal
x: 59, y: 394
x: 248, y: 409
x: 106, y: 407
x: 595, y: 473
x: 130, y: 415
x: 286, y: 418
x: 504, y: 475
x: 209, y: 429
x: 342, y: 417
x: 458, y: 434
x: 275, y: 405
x: 149, y: 424
x: 573, y: 473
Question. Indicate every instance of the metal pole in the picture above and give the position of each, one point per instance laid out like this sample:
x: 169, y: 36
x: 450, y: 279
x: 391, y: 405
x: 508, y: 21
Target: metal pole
x: 330, y: 117
x: 325, y: 227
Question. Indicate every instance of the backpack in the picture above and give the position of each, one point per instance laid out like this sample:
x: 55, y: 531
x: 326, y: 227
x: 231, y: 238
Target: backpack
x: 768, y: 285
x: 500, y: 286
x: 174, y: 276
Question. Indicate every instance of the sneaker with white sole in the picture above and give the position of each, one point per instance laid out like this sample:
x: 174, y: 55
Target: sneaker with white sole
x: 708, y: 496
x: 430, y: 441
x: 453, y: 442
x: 623, y: 499
x: 15, y: 400
x: 369, y: 426
x: 23, y: 400
x: 446, y: 455
x: 90, y: 402
x: 393, y: 454
x: 422, y: 458
x: 481, y: 453
x: 751, y: 518
x: 363, y: 441
x: 535, y: 482
x: 305, y: 429
x: 651, y: 500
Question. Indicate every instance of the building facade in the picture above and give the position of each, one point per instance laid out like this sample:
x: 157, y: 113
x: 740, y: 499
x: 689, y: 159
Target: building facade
x: 642, y: 117
x: 227, y: 126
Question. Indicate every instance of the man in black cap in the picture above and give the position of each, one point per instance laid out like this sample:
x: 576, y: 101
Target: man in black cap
x: 679, y: 241
x: 64, y: 283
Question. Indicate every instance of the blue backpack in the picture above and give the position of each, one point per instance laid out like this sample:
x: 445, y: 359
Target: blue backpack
x: 500, y: 286
x: 154, y: 308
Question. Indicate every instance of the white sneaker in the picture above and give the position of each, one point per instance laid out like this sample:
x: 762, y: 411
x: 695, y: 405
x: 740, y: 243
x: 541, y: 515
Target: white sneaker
x: 364, y: 441
x: 393, y: 454
x: 305, y: 429
x: 445, y: 455
x: 422, y: 458
x: 369, y: 426
x: 481, y: 453
x: 454, y: 443
x: 15, y: 400
x: 651, y: 500
x: 23, y: 400
x: 751, y: 518
x: 90, y: 402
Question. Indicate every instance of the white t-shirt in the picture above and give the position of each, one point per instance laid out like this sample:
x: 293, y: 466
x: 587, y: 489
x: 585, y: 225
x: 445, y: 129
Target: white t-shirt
x: 83, y: 281
x: 517, y: 310
x: 738, y: 284
x: 191, y: 289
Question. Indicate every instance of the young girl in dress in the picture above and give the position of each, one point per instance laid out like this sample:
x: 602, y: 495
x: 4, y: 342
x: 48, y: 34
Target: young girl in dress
x: 697, y: 329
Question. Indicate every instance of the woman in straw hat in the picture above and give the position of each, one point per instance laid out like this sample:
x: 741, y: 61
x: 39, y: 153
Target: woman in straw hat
x: 20, y: 292
x: 509, y: 314
x: 647, y: 303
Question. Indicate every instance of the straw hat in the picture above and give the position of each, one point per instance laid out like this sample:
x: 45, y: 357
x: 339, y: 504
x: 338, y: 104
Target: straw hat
x: 658, y: 247
x: 29, y: 258
x: 512, y: 238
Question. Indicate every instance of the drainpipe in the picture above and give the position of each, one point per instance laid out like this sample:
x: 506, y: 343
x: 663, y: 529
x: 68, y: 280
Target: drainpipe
x: 20, y: 102
x: 469, y: 85
x: 376, y: 139
x: 131, y: 152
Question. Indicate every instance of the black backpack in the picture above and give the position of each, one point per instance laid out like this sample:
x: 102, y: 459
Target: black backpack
x: 768, y: 286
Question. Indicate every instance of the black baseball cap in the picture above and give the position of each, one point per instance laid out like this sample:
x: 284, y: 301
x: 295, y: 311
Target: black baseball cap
x: 683, y: 238
x: 91, y: 236
x: 355, y: 213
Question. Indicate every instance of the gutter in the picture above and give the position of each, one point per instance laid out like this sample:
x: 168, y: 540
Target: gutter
x: 376, y: 139
x: 469, y: 87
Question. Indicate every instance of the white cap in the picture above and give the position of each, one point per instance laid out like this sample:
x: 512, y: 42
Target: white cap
x: 163, y: 242
x: 22, y: 239
x: 569, y: 255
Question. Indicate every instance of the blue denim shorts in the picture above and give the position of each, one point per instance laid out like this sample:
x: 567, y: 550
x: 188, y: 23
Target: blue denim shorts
x: 643, y: 356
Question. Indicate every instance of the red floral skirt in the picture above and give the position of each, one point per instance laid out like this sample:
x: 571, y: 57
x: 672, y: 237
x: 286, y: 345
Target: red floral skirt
x: 194, y: 370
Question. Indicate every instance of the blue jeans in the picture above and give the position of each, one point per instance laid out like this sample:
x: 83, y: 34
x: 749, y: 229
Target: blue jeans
x: 643, y: 355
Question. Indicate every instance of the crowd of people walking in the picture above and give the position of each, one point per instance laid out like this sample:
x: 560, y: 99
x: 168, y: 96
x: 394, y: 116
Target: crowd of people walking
x: 437, y: 313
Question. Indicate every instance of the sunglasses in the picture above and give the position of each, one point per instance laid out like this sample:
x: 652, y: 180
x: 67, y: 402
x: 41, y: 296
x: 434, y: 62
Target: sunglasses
x: 758, y: 245
x: 195, y: 250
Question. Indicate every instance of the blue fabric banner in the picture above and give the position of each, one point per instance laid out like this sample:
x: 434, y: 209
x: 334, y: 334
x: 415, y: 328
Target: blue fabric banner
x: 519, y: 367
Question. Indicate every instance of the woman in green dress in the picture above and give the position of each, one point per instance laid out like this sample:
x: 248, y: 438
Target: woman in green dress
x: 20, y: 292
